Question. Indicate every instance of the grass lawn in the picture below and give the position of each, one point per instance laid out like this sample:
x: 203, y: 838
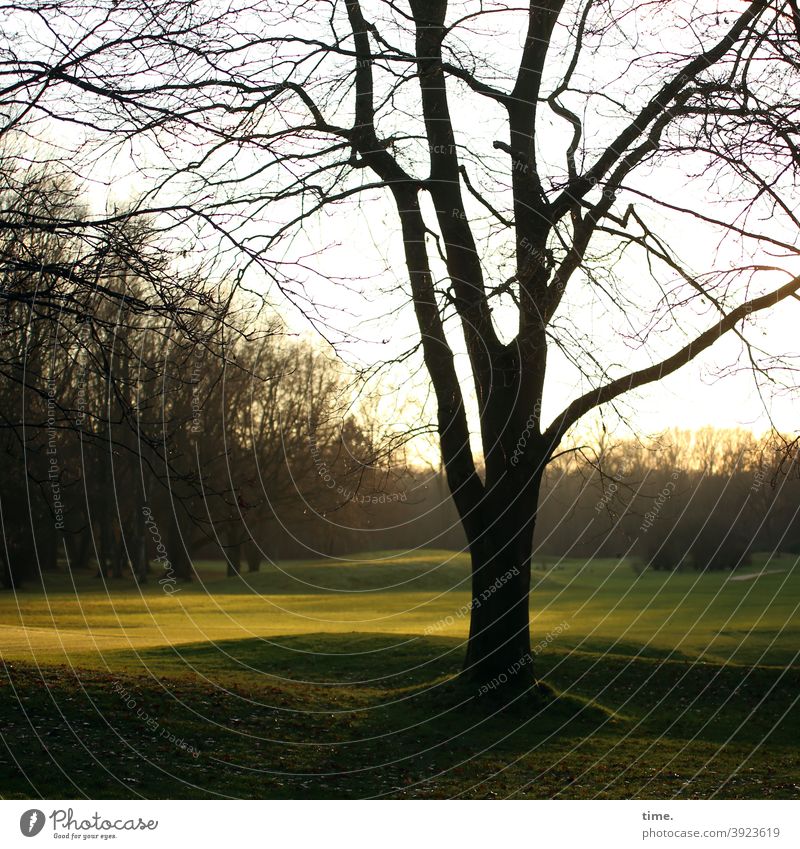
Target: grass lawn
x: 335, y: 678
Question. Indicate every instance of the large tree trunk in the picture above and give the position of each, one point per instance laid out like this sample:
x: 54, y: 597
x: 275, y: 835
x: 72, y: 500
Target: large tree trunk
x: 499, y: 648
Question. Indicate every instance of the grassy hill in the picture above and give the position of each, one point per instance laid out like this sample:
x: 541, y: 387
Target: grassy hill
x: 336, y: 678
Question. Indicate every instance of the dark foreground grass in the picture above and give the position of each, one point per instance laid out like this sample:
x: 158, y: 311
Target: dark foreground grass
x: 329, y: 679
x: 608, y: 726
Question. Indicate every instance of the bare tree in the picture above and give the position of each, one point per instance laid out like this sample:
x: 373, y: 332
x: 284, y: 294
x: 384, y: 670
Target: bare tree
x: 533, y: 183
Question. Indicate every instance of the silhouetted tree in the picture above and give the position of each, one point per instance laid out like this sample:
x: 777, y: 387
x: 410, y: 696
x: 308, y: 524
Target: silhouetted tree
x: 533, y: 185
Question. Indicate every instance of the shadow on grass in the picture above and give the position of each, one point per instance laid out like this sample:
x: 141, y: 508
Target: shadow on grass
x: 665, y: 693
x: 376, y: 714
x: 321, y: 714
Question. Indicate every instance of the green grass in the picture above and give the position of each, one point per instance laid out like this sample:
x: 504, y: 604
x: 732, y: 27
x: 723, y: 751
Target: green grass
x: 336, y: 679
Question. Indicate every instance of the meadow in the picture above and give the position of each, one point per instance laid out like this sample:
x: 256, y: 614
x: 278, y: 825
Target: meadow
x: 337, y: 678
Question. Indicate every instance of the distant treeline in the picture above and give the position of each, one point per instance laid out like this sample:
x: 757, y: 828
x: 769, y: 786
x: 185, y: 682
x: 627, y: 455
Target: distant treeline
x: 696, y: 500
x: 691, y: 500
